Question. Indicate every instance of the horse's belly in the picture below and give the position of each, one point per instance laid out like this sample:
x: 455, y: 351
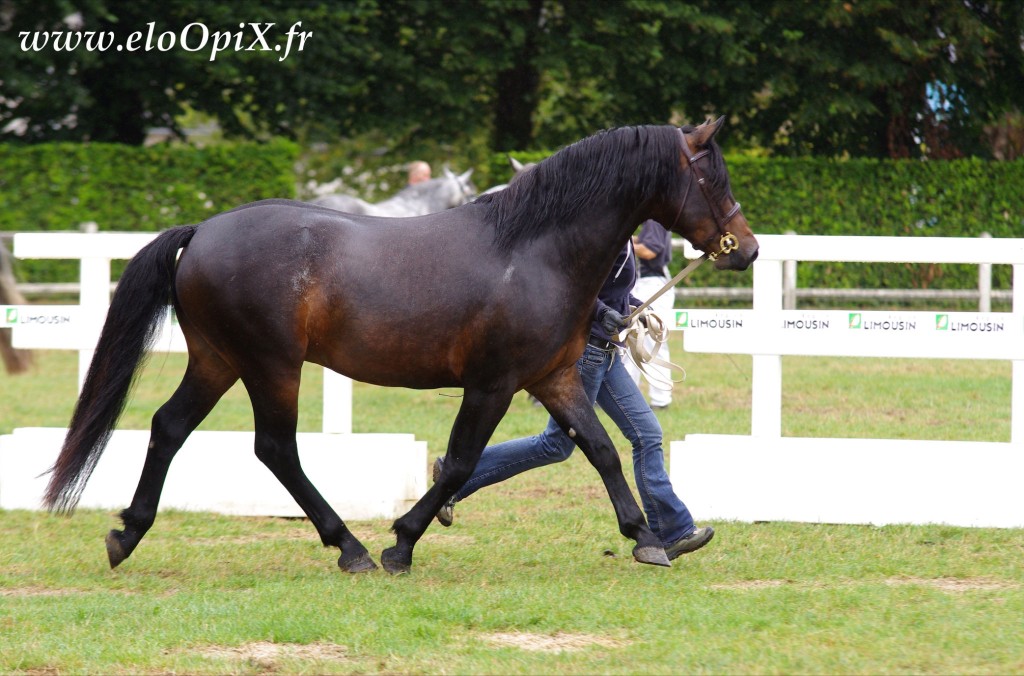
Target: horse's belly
x: 389, y: 370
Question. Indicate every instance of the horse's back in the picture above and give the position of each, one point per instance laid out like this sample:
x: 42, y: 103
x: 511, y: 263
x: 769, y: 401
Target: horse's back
x: 413, y: 302
x: 344, y: 291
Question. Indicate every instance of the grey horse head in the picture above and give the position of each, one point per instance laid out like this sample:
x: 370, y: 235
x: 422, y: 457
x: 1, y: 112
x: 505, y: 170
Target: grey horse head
x: 458, y: 189
x: 437, y: 194
x: 518, y: 167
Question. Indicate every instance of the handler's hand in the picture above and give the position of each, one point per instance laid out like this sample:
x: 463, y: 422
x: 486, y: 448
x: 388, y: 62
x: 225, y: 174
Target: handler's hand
x: 612, y: 322
x: 642, y: 318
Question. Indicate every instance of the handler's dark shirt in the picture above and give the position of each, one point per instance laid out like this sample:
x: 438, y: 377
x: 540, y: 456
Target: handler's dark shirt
x: 659, y: 240
x: 615, y: 293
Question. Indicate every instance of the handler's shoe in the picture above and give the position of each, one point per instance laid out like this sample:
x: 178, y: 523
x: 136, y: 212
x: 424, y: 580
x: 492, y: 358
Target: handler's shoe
x: 446, y: 514
x: 690, y: 543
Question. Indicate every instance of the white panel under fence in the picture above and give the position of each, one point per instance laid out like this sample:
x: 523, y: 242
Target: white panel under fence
x: 865, y: 481
x: 361, y: 475
x: 766, y: 476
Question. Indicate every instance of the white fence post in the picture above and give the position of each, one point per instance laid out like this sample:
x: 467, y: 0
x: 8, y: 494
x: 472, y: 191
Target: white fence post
x: 1017, y: 373
x: 985, y: 283
x: 766, y: 375
x: 337, y: 403
x: 789, y: 282
x: 93, y: 296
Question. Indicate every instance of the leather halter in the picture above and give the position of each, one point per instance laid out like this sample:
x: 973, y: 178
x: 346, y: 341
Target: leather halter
x: 727, y: 242
x: 721, y: 220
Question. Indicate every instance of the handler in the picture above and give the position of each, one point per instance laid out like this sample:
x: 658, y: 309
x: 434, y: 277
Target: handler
x: 608, y: 384
x: 654, y: 249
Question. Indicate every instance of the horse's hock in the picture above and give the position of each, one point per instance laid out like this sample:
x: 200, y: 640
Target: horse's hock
x: 363, y: 476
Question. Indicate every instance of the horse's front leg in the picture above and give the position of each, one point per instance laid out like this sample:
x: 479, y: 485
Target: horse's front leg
x: 479, y: 414
x: 563, y: 395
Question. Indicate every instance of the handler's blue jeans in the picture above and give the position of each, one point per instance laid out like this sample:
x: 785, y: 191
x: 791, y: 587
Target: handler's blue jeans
x: 607, y: 383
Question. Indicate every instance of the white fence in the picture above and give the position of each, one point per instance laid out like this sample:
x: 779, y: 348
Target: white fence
x: 983, y: 294
x: 766, y: 476
x: 362, y: 476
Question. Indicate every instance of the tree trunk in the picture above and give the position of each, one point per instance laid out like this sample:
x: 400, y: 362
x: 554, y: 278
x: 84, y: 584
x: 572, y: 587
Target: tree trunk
x: 518, y: 88
x: 117, y: 114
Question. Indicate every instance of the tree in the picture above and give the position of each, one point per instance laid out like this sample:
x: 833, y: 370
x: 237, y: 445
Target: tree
x: 105, y: 91
x: 872, y: 78
x: 877, y: 78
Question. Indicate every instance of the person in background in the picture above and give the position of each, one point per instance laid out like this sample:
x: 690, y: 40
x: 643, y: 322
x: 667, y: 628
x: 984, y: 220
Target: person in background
x: 654, y: 250
x: 607, y: 384
x: 419, y: 171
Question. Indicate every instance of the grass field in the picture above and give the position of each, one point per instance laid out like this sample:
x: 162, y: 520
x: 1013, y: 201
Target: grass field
x: 521, y: 584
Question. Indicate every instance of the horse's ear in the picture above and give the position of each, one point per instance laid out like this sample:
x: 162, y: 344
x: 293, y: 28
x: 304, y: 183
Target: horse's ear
x: 517, y: 166
x: 464, y: 176
x: 448, y: 173
x: 705, y: 132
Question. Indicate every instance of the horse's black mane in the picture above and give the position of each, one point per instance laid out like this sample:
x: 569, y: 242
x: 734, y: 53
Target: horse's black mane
x: 616, y: 166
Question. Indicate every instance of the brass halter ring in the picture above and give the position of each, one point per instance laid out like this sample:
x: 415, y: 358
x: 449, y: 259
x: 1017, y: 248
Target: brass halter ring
x: 727, y: 244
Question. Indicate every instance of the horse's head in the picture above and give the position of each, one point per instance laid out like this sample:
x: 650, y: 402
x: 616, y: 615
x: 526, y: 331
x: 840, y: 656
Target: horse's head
x: 458, y: 188
x: 708, y: 216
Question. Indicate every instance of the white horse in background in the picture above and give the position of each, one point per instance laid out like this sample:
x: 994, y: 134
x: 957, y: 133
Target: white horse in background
x: 428, y: 197
x: 518, y: 167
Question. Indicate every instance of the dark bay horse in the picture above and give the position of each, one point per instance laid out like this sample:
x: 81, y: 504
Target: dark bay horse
x: 494, y: 296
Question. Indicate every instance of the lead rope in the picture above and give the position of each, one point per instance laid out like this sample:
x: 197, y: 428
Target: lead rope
x: 643, y: 355
x: 642, y: 323
x: 635, y: 333
x: 694, y: 264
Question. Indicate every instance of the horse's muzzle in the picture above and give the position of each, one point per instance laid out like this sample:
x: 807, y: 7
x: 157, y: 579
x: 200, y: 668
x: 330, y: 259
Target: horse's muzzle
x: 740, y: 258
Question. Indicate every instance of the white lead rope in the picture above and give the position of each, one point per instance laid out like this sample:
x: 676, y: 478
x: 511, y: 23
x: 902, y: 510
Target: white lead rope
x: 694, y: 264
x: 642, y: 323
x: 635, y: 335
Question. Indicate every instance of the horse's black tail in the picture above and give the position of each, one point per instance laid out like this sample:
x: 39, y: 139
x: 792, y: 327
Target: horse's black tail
x: 135, y: 314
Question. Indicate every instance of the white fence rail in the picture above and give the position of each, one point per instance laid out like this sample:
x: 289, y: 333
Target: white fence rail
x: 389, y: 470
x: 78, y: 327
x: 761, y: 476
x: 768, y: 476
x: 983, y: 294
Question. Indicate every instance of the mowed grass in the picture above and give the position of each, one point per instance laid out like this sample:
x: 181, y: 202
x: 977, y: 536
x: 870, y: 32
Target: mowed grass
x: 533, y: 577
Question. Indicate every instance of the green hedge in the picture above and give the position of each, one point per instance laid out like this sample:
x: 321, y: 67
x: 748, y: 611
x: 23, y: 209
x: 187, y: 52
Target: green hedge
x: 815, y: 196
x: 57, y: 186
x: 959, y: 198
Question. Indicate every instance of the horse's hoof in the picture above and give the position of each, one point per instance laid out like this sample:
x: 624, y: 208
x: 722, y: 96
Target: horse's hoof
x: 653, y: 555
x: 115, y: 550
x: 393, y: 563
x: 360, y: 564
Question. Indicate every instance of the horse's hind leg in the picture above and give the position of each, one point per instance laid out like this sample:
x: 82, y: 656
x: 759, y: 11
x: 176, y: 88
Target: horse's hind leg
x: 275, y: 397
x: 563, y: 395
x: 206, y: 380
x: 479, y: 414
